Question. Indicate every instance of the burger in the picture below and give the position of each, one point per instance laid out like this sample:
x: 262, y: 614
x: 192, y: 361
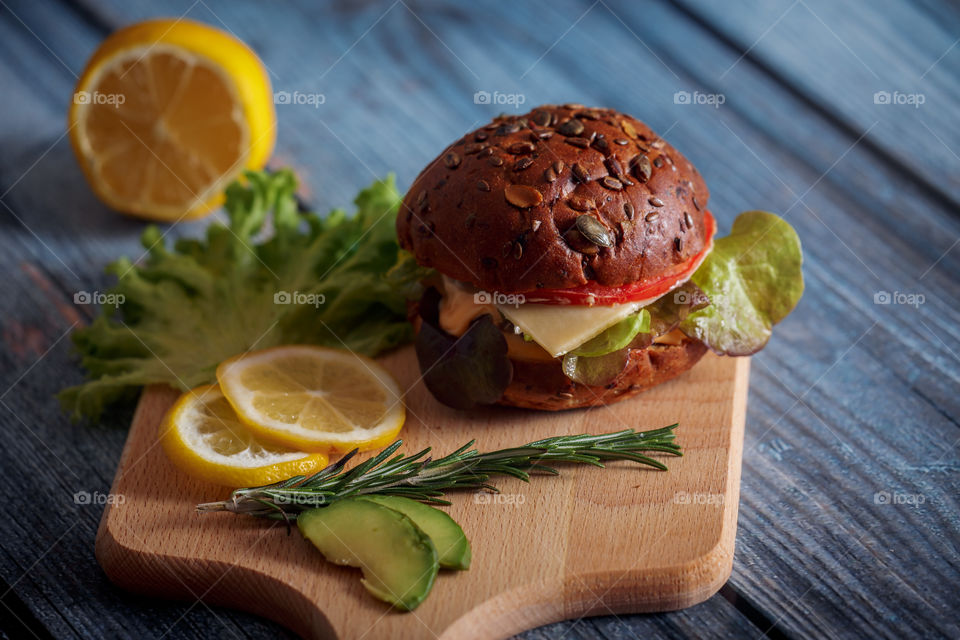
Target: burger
x: 575, y: 262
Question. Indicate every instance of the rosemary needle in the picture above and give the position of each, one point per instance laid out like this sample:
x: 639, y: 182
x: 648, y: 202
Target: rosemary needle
x: 426, y: 479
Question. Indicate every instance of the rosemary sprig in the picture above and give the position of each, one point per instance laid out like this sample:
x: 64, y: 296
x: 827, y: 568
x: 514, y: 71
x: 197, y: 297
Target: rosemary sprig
x: 426, y: 479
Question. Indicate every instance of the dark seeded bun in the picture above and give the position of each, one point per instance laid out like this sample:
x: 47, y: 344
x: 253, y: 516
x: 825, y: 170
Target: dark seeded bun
x: 541, y: 384
x: 498, y: 208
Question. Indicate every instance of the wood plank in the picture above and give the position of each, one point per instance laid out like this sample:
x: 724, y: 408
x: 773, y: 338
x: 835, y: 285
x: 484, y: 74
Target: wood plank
x: 411, y: 76
x: 589, y: 542
x: 106, y: 235
x: 898, y: 48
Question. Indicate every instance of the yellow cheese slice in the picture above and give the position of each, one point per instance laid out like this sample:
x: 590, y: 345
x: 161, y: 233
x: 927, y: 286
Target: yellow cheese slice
x: 560, y: 328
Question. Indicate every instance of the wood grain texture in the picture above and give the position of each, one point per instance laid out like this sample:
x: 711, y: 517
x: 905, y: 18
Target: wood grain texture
x: 590, y: 542
x: 840, y: 408
x: 826, y: 51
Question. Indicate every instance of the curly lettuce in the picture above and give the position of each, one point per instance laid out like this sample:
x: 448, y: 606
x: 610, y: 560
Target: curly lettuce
x: 272, y: 275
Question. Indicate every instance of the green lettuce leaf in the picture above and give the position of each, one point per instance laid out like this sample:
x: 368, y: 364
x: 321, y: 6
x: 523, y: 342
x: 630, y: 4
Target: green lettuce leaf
x: 639, y: 330
x: 753, y: 278
x: 272, y: 276
x: 615, y: 337
x: 600, y: 360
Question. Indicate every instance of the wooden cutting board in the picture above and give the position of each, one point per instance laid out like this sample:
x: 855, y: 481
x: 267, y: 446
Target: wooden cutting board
x: 624, y: 539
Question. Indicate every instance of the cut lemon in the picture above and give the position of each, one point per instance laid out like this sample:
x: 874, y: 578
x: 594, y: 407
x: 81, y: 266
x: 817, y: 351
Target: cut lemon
x: 203, y: 436
x: 166, y: 114
x: 314, y: 398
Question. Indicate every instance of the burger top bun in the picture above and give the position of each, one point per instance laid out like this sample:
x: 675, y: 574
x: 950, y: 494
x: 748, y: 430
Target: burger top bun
x: 553, y: 199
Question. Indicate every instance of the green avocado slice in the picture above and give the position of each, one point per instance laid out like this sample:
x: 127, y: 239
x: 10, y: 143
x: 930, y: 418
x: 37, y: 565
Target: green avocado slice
x: 453, y: 548
x: 398, y: 560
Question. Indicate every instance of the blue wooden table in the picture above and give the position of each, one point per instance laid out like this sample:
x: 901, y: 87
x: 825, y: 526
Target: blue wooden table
x: 843, y: 117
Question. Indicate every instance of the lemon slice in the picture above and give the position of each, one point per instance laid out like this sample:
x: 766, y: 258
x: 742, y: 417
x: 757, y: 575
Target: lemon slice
x: 203, y: 436
x: 166, y: 114
x: 314, y: 398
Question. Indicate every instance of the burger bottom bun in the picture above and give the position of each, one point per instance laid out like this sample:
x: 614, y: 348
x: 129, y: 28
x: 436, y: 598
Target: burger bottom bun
x: 542, y: 385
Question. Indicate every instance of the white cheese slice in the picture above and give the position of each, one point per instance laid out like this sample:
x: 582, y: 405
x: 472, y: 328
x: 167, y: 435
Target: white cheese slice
x: 560, y: 328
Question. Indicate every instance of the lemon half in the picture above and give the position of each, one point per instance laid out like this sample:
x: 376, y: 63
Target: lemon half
x: 166, y: 114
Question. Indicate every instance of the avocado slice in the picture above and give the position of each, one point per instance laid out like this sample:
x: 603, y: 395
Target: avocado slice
x: 453, y: 548
x: 398, y: 559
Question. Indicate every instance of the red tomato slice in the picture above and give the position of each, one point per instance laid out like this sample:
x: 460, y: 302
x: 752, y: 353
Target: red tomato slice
x: 595, y: 294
